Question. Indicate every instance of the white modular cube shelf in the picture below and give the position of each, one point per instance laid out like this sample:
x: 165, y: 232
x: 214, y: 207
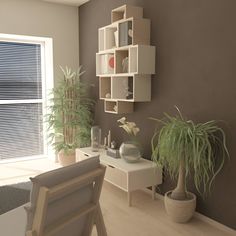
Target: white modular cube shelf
x: 125, y: 61
x: 125, y: 12
x: 118, y: 107
x: 138, y: 59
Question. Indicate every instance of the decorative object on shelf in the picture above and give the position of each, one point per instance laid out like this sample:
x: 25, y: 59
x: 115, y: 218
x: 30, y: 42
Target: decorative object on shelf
x: 125, y: 64
x: 125, y: 55
x: 113, y: 144
x: 105, y: 142
x: 95, y: 138
x: 130, y: 150
x: 124, y: 38
x: 113, y: 153
x: 111, y: 61
x: 181, y: 146
x: 130, y: 33
x: 115, y: 108
x: 107, y: 61
x: 108, y: 95
x: 116, y: 38
x: 69, y: 116
x: 109, y: 139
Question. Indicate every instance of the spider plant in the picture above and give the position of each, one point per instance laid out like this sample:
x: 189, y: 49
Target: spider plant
x: 69, y: 116
x: 182, y: 146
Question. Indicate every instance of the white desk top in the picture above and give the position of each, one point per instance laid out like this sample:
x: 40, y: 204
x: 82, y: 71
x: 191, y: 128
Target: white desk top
x: 118, y: 162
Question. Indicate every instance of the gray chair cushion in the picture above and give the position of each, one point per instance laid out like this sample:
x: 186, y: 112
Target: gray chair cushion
x: 67, y: 204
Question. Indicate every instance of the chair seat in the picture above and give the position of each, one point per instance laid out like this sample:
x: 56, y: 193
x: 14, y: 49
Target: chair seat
x: 13, y: 222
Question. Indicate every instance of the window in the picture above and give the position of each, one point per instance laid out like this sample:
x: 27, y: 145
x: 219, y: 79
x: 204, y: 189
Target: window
x: 23, y: 96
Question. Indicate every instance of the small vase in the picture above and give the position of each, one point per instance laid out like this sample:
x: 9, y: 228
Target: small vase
x: 130, y: 152
x: 95, y: 138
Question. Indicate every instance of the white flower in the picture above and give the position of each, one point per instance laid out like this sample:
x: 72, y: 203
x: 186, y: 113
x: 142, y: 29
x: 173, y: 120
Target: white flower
x: 136, y: 130
x: 129, y: 127
x: 122, y: 120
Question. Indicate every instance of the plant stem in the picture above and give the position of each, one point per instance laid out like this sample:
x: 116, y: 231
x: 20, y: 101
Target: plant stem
x: 179, y: 193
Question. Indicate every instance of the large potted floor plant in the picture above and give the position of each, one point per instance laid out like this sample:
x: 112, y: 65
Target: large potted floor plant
x: 185, y: 148
x: 69, y: 116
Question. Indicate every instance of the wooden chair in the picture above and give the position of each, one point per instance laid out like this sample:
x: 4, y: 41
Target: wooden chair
x: 64, y: 202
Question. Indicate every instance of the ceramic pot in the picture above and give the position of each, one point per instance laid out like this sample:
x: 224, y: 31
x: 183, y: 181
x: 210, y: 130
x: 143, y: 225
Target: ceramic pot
x: 180, y: 211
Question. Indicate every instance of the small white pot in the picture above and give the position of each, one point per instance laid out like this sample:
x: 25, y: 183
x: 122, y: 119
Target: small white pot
x: 180, y: 211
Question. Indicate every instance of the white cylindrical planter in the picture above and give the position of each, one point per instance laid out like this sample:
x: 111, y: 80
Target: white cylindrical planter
x: 180, y: 211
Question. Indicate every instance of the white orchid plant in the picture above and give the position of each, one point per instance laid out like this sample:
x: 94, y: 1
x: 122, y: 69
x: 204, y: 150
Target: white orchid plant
x: 129, y: 127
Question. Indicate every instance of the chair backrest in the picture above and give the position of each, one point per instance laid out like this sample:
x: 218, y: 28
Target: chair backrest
x: 65, y: 201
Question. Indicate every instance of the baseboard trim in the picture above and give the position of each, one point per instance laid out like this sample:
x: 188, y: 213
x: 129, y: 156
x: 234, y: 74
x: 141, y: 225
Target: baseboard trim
x: 201, y: 217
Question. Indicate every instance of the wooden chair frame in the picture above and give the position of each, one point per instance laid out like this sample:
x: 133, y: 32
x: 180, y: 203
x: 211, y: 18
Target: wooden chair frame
x: 92, y: 210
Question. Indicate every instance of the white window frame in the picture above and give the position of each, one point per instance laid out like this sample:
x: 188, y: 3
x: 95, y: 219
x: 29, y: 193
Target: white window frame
x: 47, y: 84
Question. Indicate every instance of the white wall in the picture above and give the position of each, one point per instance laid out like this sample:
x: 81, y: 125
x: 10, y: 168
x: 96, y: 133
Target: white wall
x: 37, y: 18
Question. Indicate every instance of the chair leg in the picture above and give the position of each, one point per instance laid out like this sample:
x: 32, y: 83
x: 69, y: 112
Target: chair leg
x: 99, y: 221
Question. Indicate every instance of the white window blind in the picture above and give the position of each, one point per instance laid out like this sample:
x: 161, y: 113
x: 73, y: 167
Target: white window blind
x: 21, y: 111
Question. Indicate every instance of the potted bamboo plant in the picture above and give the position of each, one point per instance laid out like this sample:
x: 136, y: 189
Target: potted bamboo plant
x: 183, y: 148
x: 69, y: 116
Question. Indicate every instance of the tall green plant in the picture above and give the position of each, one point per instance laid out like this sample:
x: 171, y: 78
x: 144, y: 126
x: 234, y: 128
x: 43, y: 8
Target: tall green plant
x: 181, y: 146
x: 69, y: 116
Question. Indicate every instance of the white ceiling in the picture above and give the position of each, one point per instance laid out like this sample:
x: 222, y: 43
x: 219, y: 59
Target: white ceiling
x: 68, y: 2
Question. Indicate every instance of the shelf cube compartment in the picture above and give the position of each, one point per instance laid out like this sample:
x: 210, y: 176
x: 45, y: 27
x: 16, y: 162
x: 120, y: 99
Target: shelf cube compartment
x: 142, y: 88
x: 122, y: 88
x: 121, y: 61
x: 125, y: 33
x: 135, y: 88
x: 142, y: 59
x: 118, y: 107
x: 134, y: 31
x: 107, y: 37
x: 110, y: 106
x: 111, y: 37
x: 125, y: 12
x: 104, y: 87
x: 105, y: 63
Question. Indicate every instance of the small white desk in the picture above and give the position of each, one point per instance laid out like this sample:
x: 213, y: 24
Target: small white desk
x: 126, y: 176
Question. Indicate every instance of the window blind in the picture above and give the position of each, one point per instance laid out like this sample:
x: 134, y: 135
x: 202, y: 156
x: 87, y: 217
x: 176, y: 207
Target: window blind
x: 21, y: 113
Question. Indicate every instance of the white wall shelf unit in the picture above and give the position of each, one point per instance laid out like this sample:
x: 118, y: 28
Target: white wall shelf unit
x: 125, y: 60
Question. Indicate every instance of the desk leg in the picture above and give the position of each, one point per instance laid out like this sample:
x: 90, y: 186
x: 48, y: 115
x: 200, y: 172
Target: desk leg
x: 129, y: 199
x: 153, y: 192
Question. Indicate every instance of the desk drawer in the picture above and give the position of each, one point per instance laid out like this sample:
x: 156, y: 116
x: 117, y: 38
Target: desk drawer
x: 80, y: 156
x: 116, y: 177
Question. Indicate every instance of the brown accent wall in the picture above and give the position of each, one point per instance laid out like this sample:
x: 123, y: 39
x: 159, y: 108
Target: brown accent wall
x: 195, y: 70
